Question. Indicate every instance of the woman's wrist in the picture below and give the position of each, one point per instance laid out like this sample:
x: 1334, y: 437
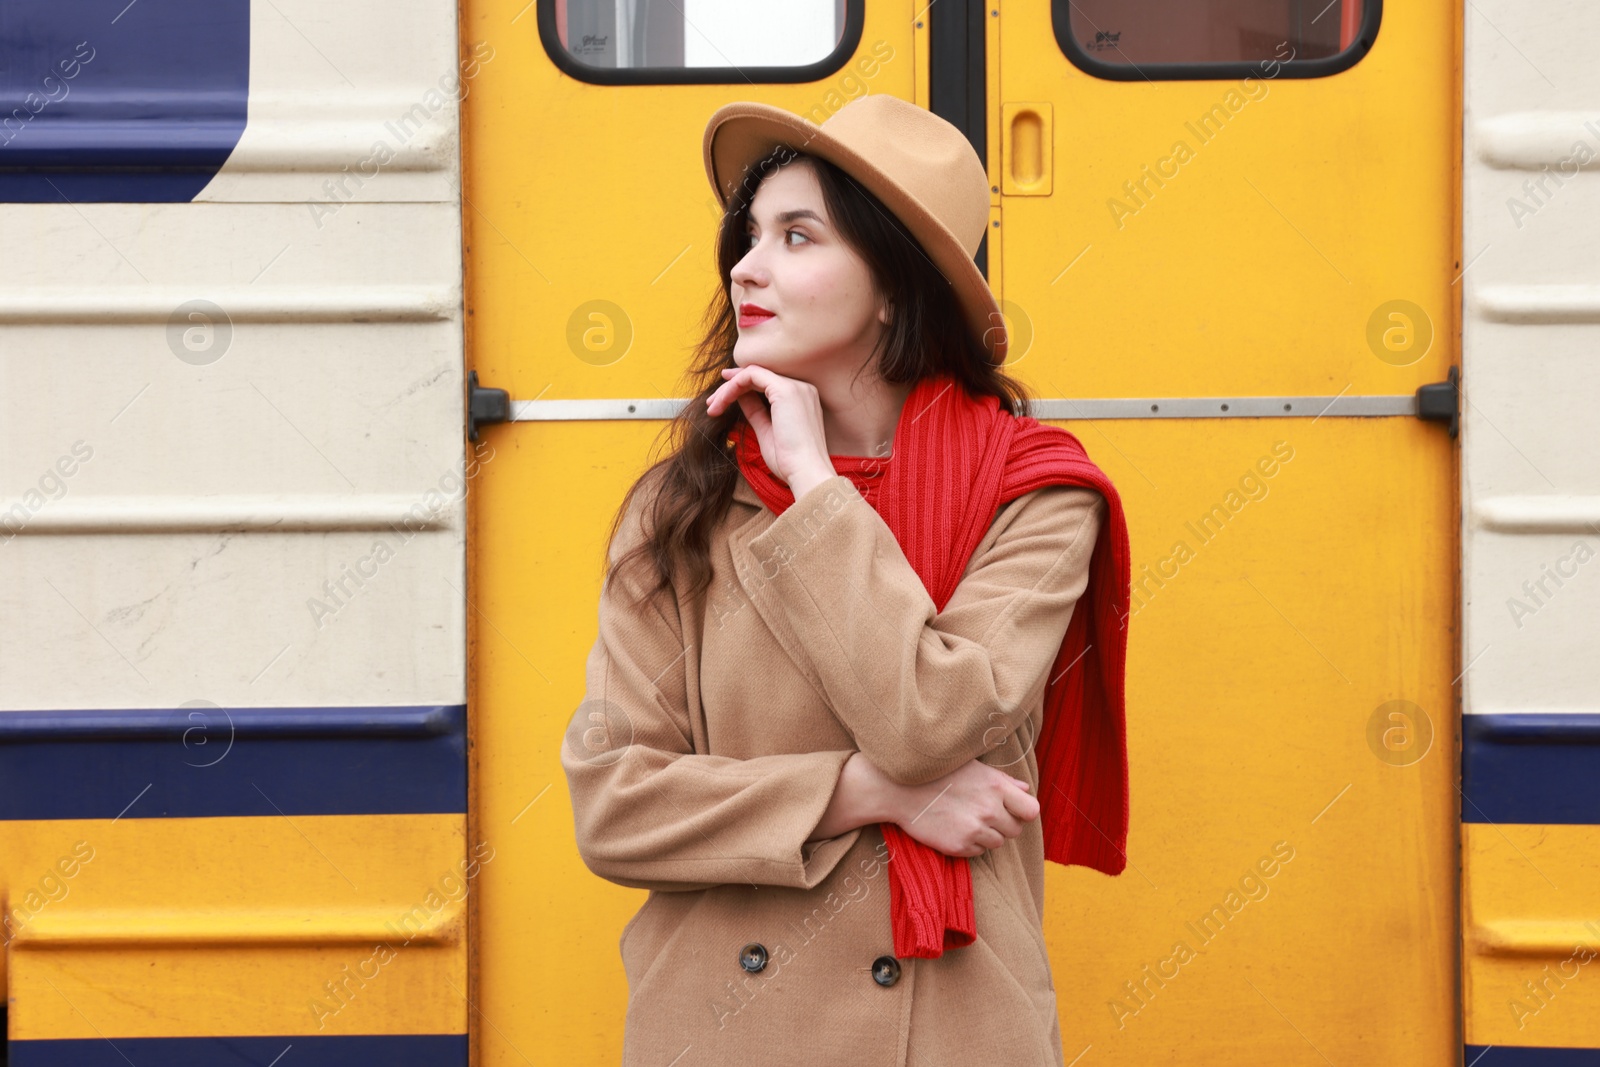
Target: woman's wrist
x: 863, y: 795
x: 881, y: 797
x: 805, y: 482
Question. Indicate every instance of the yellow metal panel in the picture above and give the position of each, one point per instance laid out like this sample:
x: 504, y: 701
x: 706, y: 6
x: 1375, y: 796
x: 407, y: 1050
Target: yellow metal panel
x: 580, y: 200
x: 1532, y: 935
x: 238, y: 926
x: 234, y: 991
x: 1289, y: 674
x: 583, y: 197
x: 1263, y: 659
x: 546, y: 929
x: 1255, y: 267
x: 1253, y: 682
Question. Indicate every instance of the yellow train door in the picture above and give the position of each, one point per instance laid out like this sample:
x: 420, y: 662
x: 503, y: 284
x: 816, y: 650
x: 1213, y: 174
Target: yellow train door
x: 589, y: 257
x: 1228, y: 234
x: 1239, y: 345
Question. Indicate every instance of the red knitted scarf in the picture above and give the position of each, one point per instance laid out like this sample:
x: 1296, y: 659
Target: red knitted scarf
x: 956, y: 460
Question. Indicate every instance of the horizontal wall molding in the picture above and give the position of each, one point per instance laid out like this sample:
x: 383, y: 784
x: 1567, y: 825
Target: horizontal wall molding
x: 206, y: 761
x: 221, y: 514
x: 1538, y: 304
x: 291, y: 131
x: 198, y: 928
x: 276, y: 145
x: 1538, y: 514
x: 1531, y: 140
x: 1212, y: 407
x: 117, y: 305
x: 1549, y: 938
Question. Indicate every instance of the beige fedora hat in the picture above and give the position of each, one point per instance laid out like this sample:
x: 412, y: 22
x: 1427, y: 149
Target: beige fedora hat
x: 920, y: 166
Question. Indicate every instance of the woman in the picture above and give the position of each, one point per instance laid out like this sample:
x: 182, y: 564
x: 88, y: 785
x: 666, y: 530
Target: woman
x: 838, y: 638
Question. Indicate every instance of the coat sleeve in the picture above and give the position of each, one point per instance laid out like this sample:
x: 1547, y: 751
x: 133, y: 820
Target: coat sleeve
x: 648, y: 810
x: 923, y: 691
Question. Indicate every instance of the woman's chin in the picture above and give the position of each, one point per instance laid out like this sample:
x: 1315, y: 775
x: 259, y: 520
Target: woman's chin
x: 747, y: 351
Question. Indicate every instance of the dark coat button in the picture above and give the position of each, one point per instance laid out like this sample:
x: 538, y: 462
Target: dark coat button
x: 753, y: 957
x: 886, y: 970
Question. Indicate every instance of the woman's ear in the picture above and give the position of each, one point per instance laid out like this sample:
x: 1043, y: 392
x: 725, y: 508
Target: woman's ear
x: 885, y: 313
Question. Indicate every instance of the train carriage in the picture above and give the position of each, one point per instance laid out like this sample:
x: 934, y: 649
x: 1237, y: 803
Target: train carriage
x: 332, y: 335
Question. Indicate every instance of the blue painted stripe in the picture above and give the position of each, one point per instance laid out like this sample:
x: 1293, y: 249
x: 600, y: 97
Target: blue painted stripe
x: 1535, y: 768
x: 391, y: 1050
x: 204, y: 718
x: 199, y: 761
x: 1528, y: 1056
x: 103, y: 100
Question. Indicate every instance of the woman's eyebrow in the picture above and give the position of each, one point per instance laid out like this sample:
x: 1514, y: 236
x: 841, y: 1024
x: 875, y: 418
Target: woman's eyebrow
x: 797, y: 213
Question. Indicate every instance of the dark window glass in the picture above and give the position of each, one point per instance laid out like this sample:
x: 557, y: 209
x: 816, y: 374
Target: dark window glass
x: 1135, y: 39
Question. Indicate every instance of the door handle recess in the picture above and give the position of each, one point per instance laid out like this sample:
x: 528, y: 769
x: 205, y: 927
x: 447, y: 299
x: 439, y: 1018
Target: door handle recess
x: 1026, y: 149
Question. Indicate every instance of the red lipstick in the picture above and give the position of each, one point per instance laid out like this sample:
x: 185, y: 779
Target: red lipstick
x: 753, y: 314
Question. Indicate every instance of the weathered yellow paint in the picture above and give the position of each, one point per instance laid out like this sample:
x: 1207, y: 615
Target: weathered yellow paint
x: 1532, y: 935
x: 233, y: 926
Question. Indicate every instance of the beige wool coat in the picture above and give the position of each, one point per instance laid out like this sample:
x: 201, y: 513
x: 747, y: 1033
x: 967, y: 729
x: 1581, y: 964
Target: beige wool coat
x: 710, y: 742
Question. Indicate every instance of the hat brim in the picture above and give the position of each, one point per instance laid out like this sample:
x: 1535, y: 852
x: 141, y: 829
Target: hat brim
x: 740, y: 134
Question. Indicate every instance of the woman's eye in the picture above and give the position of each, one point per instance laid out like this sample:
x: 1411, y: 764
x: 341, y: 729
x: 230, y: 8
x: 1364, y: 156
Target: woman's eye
x: 750, y: 238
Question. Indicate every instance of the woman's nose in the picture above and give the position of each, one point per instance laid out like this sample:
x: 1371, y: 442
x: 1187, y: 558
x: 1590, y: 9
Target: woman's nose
x: 749, y: 270
x: 744, y: 272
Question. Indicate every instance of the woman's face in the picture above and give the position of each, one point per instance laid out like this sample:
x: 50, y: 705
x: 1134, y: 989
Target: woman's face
x: 825, y: 311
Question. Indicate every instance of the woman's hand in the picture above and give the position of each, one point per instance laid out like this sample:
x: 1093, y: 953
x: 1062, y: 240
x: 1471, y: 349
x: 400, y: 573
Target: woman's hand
x: 969, y: 811
x: 788, y: 423
x: 972, y: 809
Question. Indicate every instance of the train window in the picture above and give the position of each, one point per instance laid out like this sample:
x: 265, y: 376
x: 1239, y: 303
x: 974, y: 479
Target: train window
x: 1150, y: 40
x: 651, y: 42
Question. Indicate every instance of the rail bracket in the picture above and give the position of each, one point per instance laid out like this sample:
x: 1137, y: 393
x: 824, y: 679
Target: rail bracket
x: 1441, y: 401
x: 485, y: 405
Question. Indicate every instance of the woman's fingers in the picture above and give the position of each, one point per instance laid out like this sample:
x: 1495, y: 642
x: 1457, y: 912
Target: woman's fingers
x: 989, y: 838
x: 1006, y: 824
x: 724, y: 394
x: 972, y: 810
x: 756, y: 415
x: 740, y: 380
x: 750, y: 379
x: 1021, y: 804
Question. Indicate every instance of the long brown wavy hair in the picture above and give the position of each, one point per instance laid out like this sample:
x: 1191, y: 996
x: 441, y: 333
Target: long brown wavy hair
x: 926, y: 335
